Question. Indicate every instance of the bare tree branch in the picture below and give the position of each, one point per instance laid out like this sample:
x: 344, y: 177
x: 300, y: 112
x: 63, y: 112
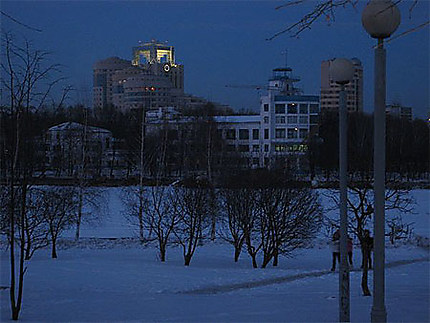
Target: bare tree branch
x: 326, y: 9
x: 19, y: 22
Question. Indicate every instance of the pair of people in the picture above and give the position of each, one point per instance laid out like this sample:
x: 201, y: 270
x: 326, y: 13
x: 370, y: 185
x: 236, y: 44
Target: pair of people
x: 336, y: 249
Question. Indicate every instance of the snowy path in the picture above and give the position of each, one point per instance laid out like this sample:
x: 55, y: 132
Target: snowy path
x: 286, y: 279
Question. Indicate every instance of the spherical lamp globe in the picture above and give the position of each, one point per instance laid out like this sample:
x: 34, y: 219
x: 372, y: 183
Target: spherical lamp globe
x: 380, y: 18
x: 341, y: 70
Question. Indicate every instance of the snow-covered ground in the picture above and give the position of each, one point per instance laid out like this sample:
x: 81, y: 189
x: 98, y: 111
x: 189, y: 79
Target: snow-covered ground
x: 119, y: 280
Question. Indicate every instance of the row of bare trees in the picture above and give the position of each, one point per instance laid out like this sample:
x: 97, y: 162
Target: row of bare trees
x: 171, y: 214
x: 272, y: 220
x: 40, y: 216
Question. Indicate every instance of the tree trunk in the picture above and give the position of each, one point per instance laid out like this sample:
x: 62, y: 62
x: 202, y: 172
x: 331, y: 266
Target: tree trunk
x: 140, y: 216
x: 78, y: 222
x: 15, y: 313
x: 213, y: 227
x: 266, y: 259
x: 237, y: 251
x: 254, y: 261
x: 54, y: 249
x: 275, y: 258
x: 162, y: 252
x: 28, y: 248
x: 364, y: 286
x: 187, y: 259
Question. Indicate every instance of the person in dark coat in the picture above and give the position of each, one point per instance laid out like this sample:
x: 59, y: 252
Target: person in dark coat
x: 335, y: 246
x: 367, y: 245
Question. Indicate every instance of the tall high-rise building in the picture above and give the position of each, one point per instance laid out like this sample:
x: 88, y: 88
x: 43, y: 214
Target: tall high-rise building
x: 159, y: 58
x: 103, y: 74
x: 152, y: 79
x: 330, y: 90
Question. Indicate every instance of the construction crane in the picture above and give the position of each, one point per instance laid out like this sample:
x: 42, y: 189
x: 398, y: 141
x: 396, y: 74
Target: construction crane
x: 250, y: 86
x: 282, y: 81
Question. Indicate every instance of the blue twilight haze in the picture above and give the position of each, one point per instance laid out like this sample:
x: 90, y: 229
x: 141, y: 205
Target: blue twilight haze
x: 224, y: 42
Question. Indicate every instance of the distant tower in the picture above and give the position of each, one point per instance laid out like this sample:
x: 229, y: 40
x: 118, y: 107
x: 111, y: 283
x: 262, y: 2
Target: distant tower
x: 160, y: 59
x: 288, y: 120
x: 330, y: 90
x: 282, y: 81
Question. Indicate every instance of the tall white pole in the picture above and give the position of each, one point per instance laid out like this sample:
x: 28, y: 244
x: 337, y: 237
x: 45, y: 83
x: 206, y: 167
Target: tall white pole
x: 380, y: 18
x: 379, y: 313
x: 342, y: 72
x: 344, y: 310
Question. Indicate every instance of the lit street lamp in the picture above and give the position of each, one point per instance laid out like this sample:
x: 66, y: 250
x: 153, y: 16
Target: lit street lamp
x: 380, y: 18
x: 342, y: 72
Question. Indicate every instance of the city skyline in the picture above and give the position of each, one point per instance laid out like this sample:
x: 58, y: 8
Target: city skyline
x: 223, y: 43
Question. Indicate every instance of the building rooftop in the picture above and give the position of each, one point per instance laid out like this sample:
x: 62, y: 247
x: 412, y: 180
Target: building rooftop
x: 76, y: 126
x: 238, y: 119
x: 299, y: 98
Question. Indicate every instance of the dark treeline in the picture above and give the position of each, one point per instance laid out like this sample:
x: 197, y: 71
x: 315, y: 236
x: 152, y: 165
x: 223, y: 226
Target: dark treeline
x: 407, y: 147
x: 196, y: 147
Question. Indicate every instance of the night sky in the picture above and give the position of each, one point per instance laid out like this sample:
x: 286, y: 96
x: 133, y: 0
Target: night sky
x: 224, y: 42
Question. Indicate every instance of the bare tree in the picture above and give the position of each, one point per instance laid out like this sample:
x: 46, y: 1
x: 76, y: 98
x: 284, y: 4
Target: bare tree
x: 326, y: 9
x: 35, y: 229
x: 192, y: 208
x: 91, y: 202
x: 59, y: 212
x: 27, y: 80
x: 162, y: 216
x: 239, y: 207
x: 289, y: 219
x: 360, y: 210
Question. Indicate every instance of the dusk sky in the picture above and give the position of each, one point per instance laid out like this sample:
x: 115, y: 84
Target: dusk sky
x: 224, y: 42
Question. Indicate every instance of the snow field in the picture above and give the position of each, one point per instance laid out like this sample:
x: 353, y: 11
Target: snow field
x: 130, y: 284
x: 118, y: 282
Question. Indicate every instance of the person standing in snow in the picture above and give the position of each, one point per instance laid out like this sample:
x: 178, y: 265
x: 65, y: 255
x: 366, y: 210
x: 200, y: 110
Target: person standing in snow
x: 367, y: 245
x: 335, y: 245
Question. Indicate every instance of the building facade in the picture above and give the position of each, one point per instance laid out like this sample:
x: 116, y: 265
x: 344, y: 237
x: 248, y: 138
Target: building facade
x: 76, y: 150
x: 330, y: 90
x: 152, y: 79
x: 276, y: 137
x: 399, y: 111
x: 103, y: 79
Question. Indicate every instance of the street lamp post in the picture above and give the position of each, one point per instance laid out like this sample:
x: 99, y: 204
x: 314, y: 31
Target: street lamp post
x: 342, y: 72
x: 380, y: 18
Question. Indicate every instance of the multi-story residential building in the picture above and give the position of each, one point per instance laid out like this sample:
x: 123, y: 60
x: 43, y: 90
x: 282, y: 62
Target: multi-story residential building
x: 330, y: 90
x: 76, y: 150
x: 242, y: 134
x: 397, y: 110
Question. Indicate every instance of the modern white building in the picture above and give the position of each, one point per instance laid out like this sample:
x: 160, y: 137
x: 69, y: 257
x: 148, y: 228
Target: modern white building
x: 276, y: 137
